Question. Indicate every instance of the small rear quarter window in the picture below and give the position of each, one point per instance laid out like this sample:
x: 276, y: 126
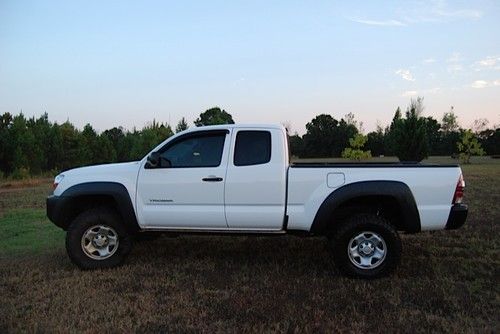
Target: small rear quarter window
x: 252, y: 148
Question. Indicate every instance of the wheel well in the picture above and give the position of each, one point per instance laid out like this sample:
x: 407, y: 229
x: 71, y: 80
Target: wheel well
x: 386, y: 206
x: 83, y: 203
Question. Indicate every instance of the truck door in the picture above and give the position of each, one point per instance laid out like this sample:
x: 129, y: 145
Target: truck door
x: 256, y: 180
x: 188, y: 191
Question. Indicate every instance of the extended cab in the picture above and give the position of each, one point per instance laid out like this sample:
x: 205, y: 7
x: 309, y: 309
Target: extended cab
x: 238, y: 179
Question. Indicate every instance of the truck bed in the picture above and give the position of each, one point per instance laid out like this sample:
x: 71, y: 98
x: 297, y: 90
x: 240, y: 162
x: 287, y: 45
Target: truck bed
x: 432, y: 187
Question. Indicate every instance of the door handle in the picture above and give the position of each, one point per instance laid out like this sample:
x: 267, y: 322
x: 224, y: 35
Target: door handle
x: 212, y: 179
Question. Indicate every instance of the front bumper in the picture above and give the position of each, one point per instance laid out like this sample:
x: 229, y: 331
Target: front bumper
x: 55, y: 210
x: 457, y: 217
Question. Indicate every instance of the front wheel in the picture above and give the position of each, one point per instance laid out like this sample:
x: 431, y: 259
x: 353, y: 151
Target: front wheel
x: 366, y: 246
x: 97, y: 239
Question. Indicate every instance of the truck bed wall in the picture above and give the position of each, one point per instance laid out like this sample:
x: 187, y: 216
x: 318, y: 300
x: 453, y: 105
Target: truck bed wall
x: 432, y: 187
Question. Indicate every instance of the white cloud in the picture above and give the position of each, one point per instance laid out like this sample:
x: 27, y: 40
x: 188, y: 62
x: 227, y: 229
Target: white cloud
x: 425, y: 11
x: 479, y: 84
x: 405, y: 74
x: 483, y: 83
x: 429, y: 61
x: 459, y: 14
x: 439, y: 11
x: 386, y: 23
x: 409, y: 93
x: 488, y: 63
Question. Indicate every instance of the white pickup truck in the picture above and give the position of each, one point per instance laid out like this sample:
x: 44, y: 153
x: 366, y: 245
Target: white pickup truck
x: 238, y: 179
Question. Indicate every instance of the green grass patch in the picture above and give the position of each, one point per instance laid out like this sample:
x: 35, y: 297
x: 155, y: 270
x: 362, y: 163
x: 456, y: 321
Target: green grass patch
x: 28, y: 231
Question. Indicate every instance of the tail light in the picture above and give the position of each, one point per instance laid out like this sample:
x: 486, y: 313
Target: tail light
x: 459, y: 191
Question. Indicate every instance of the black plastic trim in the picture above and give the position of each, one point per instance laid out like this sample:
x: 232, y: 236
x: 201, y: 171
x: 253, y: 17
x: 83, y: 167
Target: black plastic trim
x: 397, y: 190
x: 457, y: 217
x: 56, y: 207
x: 59, y: 208
x: 212, y: 179
x: 368, y: 165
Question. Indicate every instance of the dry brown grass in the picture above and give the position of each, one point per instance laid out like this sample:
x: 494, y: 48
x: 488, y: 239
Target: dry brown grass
x: 448, y: 282
x: 6, y: 185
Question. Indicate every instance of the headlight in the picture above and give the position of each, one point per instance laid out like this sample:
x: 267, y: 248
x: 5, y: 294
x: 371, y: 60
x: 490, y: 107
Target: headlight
x: 58, y: 179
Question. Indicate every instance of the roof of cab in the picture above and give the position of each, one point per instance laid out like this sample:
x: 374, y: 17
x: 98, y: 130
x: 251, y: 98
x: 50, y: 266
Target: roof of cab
x: 235, y: 126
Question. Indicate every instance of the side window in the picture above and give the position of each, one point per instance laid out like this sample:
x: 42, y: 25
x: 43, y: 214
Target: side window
x: 252, y: 148
x: 199, y: 151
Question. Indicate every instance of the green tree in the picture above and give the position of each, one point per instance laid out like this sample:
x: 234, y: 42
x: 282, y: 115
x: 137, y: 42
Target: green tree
x: 89, y: 145
x: 296, y: 145
x: 71, y: 146
x: 410, y: 137
x: 468, y: 146
x: 432, y: 129
x: 449, y: 122
x: 22, y: 144
x: 121, y: 141
x: 105, y: 152
x: 214, y: 116
x: 149, y: 137
x: 490, y: 140
x: 327, y: 137
x: 355, y: 151
x: 375, y: 141
x: 6, y: 147
x: 390, y: 134
x: 41, y: 128
x: 319, y: 136
x: 350, y: 119
x: 181, y: 126
x: 450, y: 133
x: 55, y: 152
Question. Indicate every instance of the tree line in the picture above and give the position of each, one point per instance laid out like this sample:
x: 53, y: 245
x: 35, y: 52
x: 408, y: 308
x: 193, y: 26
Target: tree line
x: 410, y: 136
x: 33, y: 146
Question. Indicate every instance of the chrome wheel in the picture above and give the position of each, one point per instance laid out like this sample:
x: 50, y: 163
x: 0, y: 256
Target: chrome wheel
x: 100, y: 242
x: 367, y: 250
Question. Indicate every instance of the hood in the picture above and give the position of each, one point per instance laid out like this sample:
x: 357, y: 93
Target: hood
x: 124, y: 173
x: 107, y: 169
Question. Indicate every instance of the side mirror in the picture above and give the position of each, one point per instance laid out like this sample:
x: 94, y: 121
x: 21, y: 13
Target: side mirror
x: 153, y: 160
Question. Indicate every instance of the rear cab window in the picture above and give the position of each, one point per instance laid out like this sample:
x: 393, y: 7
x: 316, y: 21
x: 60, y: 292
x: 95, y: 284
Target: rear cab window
x: 252, y: 148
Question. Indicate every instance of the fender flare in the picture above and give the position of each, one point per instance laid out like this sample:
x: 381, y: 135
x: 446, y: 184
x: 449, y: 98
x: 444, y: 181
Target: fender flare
x: 399, y: 191
x: 63, y: 204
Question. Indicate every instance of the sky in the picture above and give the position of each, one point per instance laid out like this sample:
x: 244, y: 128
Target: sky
x: 125, y: 63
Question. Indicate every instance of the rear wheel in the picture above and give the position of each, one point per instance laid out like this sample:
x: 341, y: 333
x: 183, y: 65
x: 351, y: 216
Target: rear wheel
x: 97, y: 239
x: 366, y: 246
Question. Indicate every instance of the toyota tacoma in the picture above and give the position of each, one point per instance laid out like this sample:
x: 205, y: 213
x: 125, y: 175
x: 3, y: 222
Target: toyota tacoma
x: 238, y: 179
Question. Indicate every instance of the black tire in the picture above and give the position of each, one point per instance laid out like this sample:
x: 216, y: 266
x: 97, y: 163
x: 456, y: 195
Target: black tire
x: 353, y: 227
x: 82, y: 223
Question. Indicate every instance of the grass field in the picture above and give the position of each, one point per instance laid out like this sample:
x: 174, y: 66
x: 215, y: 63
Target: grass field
x: 448, y: 280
